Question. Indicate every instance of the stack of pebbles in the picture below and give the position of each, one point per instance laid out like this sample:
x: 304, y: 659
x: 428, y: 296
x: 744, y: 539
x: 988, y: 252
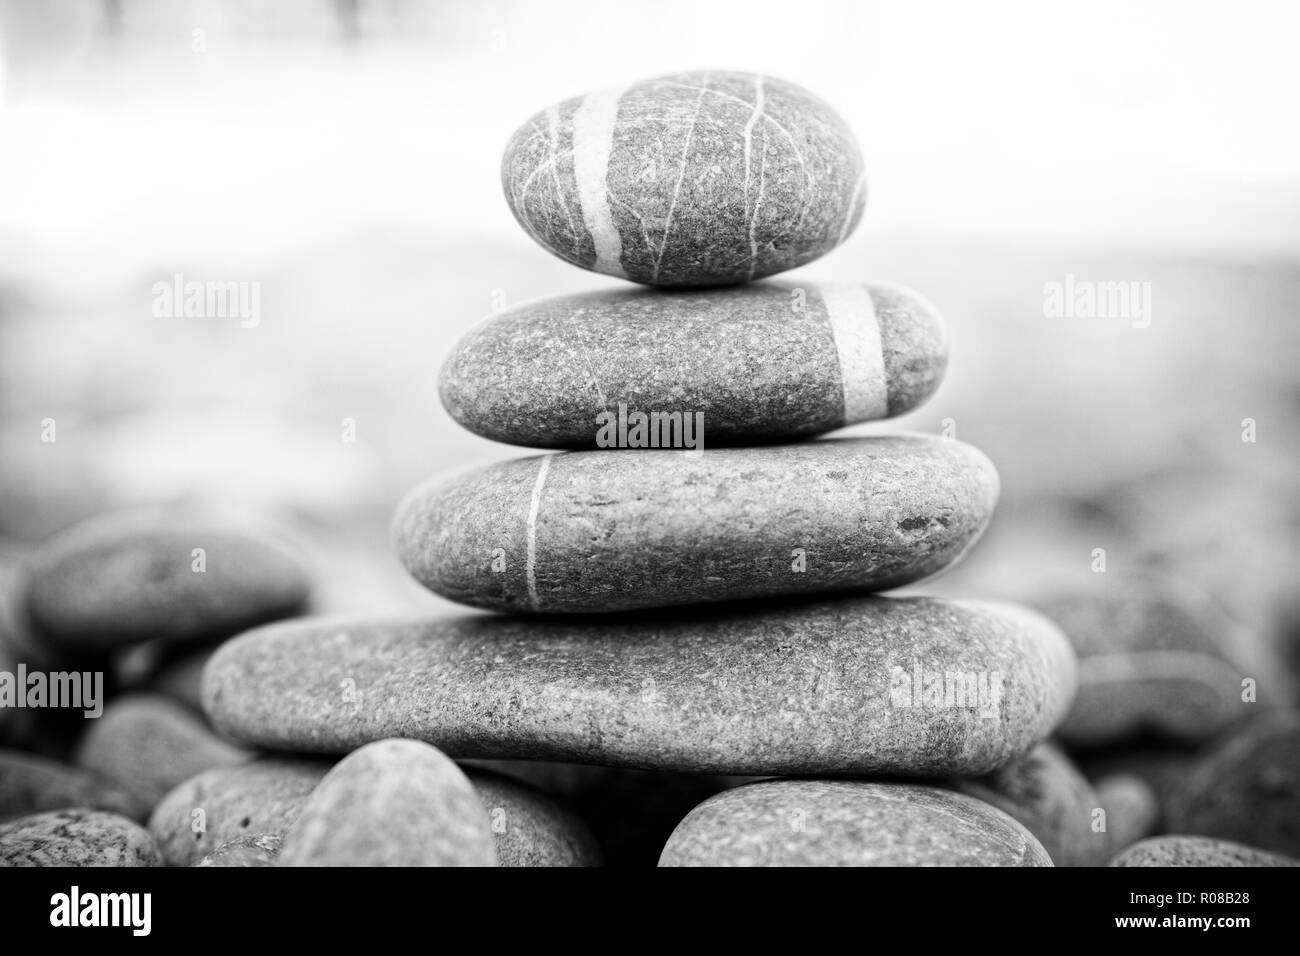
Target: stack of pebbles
x: 687, y: 587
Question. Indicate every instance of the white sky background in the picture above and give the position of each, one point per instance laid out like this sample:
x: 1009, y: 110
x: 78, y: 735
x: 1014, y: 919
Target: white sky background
x: 1166, y: 125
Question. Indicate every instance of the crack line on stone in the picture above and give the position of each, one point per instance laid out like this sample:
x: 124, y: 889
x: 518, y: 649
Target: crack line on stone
x: 681, y: 174
x: 794, y: 145
x: 530, y: 564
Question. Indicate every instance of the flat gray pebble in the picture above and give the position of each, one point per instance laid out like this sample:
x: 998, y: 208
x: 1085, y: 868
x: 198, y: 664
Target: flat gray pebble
x: 129, y: 577
x: 745, y: 365
x: 847, y: 686
x: 598, y: 531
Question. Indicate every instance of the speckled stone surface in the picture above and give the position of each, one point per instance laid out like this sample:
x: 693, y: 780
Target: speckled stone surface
x: 811, y: 687
x: 129, y: 577
x: 392, y: 803
x: 1197, y: 851
x: 849, y: 823
x: 1132, y: 809
x: 76, y: 838
x: 762, y: 362
x: 1247, y: 787
x: 263, y: 797
x: 689, y: 179
x: 1046, y: 793
x: 31, y: 784
x: 262, y: 849
x: 1149, y: 663
x: 530, y: 828
x: 598, y: 531
x: 148, y: 744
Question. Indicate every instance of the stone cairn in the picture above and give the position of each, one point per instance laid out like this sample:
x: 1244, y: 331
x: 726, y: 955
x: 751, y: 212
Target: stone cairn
x: 687, y: 586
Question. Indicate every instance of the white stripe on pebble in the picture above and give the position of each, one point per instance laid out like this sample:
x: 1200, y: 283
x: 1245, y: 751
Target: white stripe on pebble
x: 530, y: 564
x: 856, y: 331
x: 593, y: 141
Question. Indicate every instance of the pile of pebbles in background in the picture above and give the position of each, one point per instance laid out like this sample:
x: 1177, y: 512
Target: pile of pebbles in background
x: 621, y: 709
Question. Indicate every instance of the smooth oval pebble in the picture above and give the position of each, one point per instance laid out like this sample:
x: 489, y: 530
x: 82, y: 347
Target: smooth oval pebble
x: 31, y: 784
x: 689, y: 179
x: 1246, y: 787
x: 751, y: 364
x: 129, y: 577
x: 839, y: 686
x: 1047, y: 794
x: 849, y: 823
x: 263, y: 797
x: 1132, y: 809
x: 392, y: 803
x: 148, y: 744
x: 1197, y: 851
x: 595, y: 531
x: 531, y: 829
x: 262, y: 849
x: 76, y: 838
x: 1149, y: 663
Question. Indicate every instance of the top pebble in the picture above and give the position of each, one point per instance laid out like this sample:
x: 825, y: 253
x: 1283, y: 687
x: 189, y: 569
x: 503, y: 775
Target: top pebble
x: 687, y: 180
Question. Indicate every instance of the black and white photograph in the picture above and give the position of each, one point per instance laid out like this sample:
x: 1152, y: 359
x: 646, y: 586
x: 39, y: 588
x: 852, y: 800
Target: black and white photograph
x: 650, y: 434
